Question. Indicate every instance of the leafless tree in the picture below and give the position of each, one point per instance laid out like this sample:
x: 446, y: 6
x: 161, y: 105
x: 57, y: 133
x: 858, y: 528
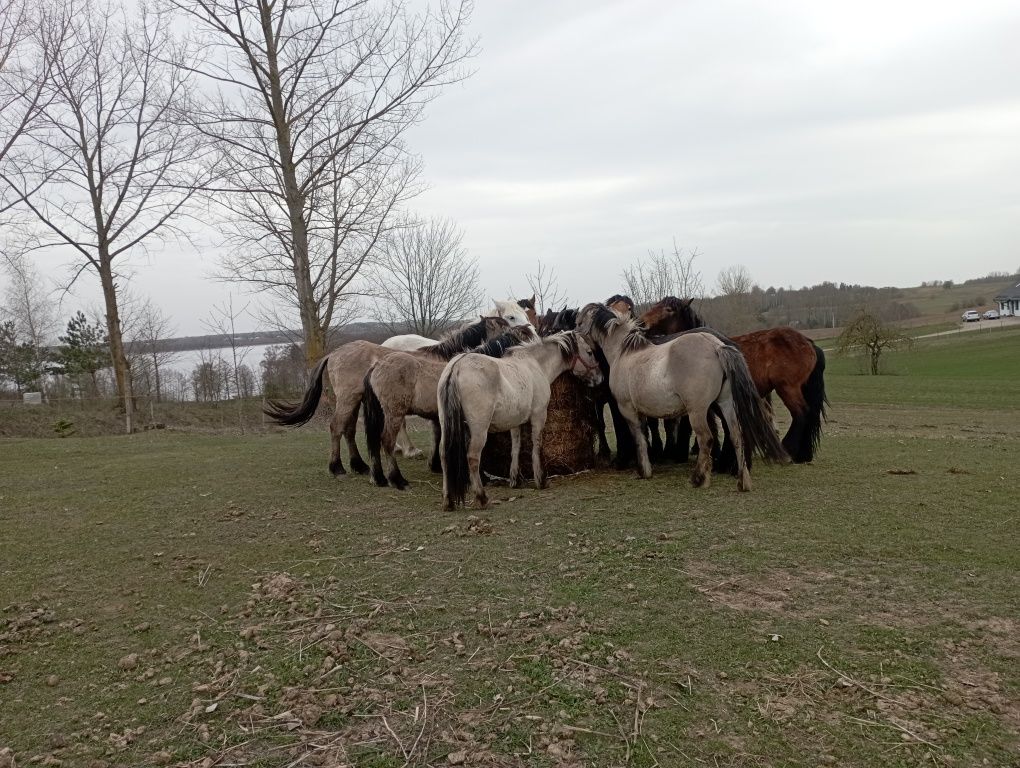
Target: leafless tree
x: 735, y: 281
x: 24, y: 75
x: 147, y: 334
x: 116, y: 163
x: 27, y: 300
x: 664, y: 274
x: 544, y: 285
x: 869, y: 335
x: 312, y: 102
x: 424, y: 279
x: 223, y: 321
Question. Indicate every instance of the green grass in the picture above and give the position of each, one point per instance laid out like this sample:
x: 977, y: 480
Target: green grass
x: 605, y: 621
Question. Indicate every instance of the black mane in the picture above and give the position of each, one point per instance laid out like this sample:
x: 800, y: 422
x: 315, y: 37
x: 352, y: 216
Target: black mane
x: 498, y: 346
x: 616, y: 297
x: 462, y: 340
x: 685, y: 311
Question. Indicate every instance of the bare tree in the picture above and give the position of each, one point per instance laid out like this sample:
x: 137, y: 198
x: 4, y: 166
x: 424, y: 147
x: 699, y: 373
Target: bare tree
x: 664, y: 274
x: 424, y: 280
x: 116, y: 163
x: 24, y: 75
x: 545, y: 287
x: 147, y: 334
x: 871, y: 336
x: 312, y: 102
x: 27, y: 301
x: 223, y: 321
x: 735, y: 281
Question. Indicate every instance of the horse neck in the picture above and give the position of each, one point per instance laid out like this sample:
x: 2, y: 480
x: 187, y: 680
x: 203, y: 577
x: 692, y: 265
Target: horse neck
x: 612, y: 345
x: 549, y: 357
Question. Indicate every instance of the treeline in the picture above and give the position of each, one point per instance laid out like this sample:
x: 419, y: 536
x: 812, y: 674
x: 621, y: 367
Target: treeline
x: 826, y: 305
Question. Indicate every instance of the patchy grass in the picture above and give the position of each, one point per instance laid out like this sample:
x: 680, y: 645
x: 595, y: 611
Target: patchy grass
x: 208, y: 600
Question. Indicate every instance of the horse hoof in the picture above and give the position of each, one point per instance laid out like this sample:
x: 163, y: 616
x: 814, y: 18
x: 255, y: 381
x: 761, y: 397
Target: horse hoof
x: 482, y: 502
x: 414, y: 453
x: 448, y: 506
x: 359, y: 466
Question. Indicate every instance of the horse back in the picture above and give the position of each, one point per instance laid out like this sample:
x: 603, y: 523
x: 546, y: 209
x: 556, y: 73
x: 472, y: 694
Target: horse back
x: 776, y: 356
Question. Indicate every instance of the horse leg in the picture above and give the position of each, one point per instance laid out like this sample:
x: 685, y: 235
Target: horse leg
x: 600, y: 416
x: 683, y: 439
x: 797, y: 441
x: 389, y: 441
x: 537, y: 472
x: 516, y: 478
x: 336, y: 430
x: 435, y: 464
x: 723, y: 459
x: 640, y: 444
x: 656, y: 451
x: 701, y: 477
x: 404, y: 444
x: 350, y: 430
x: 479, y: 434
x: 626, y: 442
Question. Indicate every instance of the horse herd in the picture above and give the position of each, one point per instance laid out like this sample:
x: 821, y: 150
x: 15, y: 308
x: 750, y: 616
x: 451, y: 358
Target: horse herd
x: 495, y: 375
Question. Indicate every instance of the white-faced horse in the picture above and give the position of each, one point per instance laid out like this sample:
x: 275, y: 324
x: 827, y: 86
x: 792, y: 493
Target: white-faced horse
x: 479, y: 394
x: 688, y: 375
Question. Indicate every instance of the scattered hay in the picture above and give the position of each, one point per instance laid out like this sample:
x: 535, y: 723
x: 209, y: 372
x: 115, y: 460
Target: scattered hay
x: 568, y: 441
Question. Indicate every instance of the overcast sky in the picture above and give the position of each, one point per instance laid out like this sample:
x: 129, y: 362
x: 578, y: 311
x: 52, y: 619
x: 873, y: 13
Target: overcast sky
x: 865, y: 142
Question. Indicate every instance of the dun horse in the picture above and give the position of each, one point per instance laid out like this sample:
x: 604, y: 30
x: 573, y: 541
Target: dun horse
x: 687, y: 375
x: 479, y: 394
x: 780, y: 359
x: 347, y: 366
x: 403, y: 384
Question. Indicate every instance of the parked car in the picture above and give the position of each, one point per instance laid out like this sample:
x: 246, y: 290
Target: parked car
x: 992, y: 314
x: 971, y: 316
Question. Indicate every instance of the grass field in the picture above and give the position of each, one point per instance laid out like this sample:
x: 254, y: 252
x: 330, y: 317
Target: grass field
x: 188, y: 599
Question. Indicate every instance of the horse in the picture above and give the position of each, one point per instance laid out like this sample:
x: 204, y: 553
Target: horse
x: 347, y: 366
x: 407, y: 383
x: 479, y: 394
x: 687, y: 375
x: 782, y: 360
x: 516, y: 312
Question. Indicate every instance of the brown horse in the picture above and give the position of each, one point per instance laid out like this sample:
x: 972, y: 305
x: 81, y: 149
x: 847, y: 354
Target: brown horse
x: 407, y: 383
x: 781, y: 360
x: 347, y: 366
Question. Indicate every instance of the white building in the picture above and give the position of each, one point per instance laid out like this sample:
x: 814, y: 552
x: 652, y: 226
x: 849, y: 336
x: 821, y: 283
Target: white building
x: 1009, y: 299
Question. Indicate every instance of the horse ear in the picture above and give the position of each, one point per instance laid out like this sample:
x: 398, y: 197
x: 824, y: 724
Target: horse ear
x: 689, y: 301
x: 532, y: 300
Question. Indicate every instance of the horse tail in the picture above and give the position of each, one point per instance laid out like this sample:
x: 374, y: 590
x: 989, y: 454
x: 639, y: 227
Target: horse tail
x: 456, y: 434
x: 375, y: 420
x: 755, y: 426
x: 814, y: 395
x: 302, y: 413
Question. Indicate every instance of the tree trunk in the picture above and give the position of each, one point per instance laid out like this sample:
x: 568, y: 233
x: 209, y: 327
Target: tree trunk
x: 121, y: 367
x: 155, y: 374
x: 315, y: 339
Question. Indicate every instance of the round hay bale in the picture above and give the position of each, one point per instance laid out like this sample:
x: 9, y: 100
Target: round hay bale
x: 568, y: 441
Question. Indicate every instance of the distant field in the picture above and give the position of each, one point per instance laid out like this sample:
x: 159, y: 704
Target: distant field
x: 204, y: 600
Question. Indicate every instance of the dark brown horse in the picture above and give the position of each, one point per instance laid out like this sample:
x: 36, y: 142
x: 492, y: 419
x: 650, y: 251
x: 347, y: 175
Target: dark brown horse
x: 781, y: 360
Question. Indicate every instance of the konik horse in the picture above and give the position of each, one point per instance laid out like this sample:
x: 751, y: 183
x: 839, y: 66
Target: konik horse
x: 780, y: 359
x: 479, y: 394
x: 347, y: 366
x: 688, y: 375
x: 402, y: 384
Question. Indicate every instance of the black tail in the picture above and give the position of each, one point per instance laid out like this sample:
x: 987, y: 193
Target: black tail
x: 456, y: 435
x: 375, y: 420
x: 296, y: 415
x: 756, y: 427
x: 814, y: 395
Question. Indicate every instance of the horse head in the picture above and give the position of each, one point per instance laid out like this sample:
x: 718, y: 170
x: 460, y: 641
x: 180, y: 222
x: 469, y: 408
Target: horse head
x: 583, y: 363
x: 671, y: 315
x: 621, y: 305
x: 528, y: 305
x: 512, y: 312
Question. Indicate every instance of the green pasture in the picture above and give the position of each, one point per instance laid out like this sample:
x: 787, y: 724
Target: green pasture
x: 220, y: 600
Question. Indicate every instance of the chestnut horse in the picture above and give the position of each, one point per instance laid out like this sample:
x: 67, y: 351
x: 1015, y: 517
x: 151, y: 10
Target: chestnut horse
x: 780, y: 359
